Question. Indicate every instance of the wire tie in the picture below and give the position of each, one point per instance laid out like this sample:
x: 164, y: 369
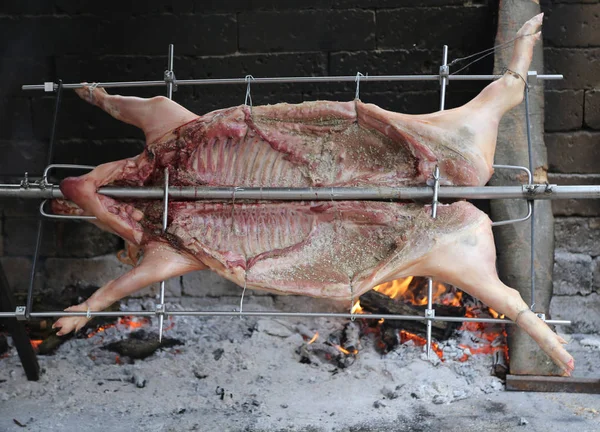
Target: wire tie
x: 357, y: 81
x: 248, y: 79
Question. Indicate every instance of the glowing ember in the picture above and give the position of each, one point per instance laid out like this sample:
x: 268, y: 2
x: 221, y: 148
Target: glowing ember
x: 133, y: 322
x: 35, y: 343
x: 314, y: 338
x: 419, y: 341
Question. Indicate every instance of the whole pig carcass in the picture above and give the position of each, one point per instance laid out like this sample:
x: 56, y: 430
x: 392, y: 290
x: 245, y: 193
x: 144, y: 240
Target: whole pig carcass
x: 335, y: 250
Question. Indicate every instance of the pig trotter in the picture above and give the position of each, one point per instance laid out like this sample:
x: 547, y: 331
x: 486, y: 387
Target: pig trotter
x: 550, y: 342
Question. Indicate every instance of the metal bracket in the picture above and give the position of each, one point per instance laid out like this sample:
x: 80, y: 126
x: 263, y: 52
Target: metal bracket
x: 444, y: 73
x: 44, y: 183
x: 48, y: 86
x: 532, y: 78
x: 159, y: 309
x: 528, y: 185
x: 541, y: 316
x: 20, y: 313
x: 171, y: 79
x: 430, y: 313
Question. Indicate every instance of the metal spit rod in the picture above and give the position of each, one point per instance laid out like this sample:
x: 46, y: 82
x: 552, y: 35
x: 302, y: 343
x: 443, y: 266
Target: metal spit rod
x: 52, y: 314
x: 282, y: 80
x: 533, y: 191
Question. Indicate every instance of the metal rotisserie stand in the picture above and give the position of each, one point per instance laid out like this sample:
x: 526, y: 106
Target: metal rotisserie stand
x: 43, y: 189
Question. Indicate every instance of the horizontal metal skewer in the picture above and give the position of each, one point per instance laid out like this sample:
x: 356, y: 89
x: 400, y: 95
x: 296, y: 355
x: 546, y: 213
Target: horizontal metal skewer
x: 534, y: 191
x: 52, y: 314
x: 282, y: 80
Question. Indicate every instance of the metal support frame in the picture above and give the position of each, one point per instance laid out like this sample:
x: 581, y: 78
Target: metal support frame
x: 530, y: 191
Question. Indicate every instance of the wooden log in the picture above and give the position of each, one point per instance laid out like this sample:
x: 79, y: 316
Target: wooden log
x: 513, y: 241
x: 375, y: 302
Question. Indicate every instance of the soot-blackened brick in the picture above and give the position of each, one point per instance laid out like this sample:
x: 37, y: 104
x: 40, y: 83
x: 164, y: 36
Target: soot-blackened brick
x: 306, y: 30
x: 119, y: 68
x: 261, y: 65
x: 26, y: 7
x: 413, y: 28
x: 580, y: 67
x: 68, y: 239
x: 367, y: 4
x: 134, y: 7
x: 592, y: 109
x: 572, y: 25
x: 96, y: 152
x: 260, y: 5
x: 15, y: 119
x: 191, y: 35
x: 78, y: 119
x: 18, y: 156
x: 563, y: 110
x: 573, y: 152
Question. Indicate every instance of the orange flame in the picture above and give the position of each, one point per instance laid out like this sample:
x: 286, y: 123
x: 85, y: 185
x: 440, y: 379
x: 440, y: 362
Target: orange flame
x: 357, y: 308
x: 345, y: 351
x: 314, y: 338
x: 35, y: 343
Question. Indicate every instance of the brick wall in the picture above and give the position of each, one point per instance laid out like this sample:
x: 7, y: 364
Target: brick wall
x: 47, y: 40
x: 572, y: 47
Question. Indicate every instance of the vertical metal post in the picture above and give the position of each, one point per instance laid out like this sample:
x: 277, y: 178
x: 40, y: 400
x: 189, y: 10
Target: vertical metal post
x: 430, y: 312
x: 170, y: 71
x: 532, y: 223
x: 161, y: 306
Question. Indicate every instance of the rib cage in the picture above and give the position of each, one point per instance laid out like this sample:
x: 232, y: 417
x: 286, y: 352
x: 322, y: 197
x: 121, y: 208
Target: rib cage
x: 248, y: 161
x: 248, y: 230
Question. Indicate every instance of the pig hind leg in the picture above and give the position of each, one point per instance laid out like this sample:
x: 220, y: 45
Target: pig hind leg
x: 475, y: 273
x: 160, y: 262
x: 155, y: 116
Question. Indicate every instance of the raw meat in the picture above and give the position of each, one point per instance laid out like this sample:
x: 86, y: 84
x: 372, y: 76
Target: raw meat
x: 335, y: 250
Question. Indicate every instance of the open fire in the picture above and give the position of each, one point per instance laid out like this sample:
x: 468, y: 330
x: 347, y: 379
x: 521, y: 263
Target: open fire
x: 476, y: 338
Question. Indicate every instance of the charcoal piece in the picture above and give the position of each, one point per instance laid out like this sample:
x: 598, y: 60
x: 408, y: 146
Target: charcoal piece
x: 141, y: 344
x: 51, y: 343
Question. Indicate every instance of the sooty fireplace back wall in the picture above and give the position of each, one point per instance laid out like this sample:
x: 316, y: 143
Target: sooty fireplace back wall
x: 61, y: 40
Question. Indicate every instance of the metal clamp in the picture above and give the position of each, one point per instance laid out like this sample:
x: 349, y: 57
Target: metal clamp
x: 444, y: 74
x: 25, y: 182
x: 532, y: 78
x: 159, y: 309
x: 430, y: 313
x: 48, y: 86
x: 541, y: 316
x: 171, y: 79
x: 20, y: 313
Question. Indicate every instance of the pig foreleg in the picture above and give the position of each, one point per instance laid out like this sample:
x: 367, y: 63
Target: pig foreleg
x: 155, y: 116
x: 160, y: 262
